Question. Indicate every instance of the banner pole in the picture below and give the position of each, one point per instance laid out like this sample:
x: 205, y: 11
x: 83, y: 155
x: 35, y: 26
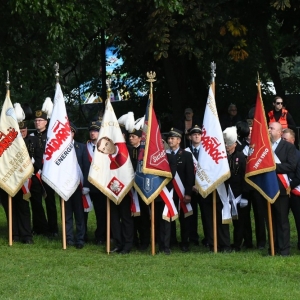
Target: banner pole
x: 215, y: 221
x: 10, y: 240
x: 152, y: 229
x: 271, y: 229
x: 108, y: 226
x: 63, y: 224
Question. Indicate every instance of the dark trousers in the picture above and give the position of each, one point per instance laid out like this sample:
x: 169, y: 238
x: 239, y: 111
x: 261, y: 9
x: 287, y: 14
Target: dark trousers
x: 223, y: 234
x: 281, y: 225
x: 184, y: 227
x: 99, y: 203
x: 122, y: 224
x: 162, y: 227
x: 39, y: 221
x: 295, y: 208
x: 74, y: 207
x: 197, y: 199
x: 51, y: 209
x: 239, y: 226
x: 260, y: 217
x: 21, y: 224
x: 142, y: 225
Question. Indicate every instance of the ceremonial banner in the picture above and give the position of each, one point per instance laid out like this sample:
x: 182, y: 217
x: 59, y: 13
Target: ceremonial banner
x: 111, y: 169
x: 15, y: 162
x: 60, y: 161
x: 213, y: 168
x: 153, y: 171
x: 260, y: 166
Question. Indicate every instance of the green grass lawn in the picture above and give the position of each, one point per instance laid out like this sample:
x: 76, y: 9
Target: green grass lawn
x: 45, y: 271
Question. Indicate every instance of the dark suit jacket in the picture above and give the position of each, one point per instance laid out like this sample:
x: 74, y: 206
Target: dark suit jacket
x: 286, y: 152
x: 34, y: 151
x: 295, y: 177
x: 185, y: 170
x: 82, y: 158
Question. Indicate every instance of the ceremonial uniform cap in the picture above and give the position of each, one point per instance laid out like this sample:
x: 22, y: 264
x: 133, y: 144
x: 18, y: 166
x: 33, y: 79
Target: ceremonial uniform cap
x: 174, y: 132
x: 40, y: 114
x: 20, y: 115
x: 195, y: 129
x: 73, y: 127
x: 95, y: 125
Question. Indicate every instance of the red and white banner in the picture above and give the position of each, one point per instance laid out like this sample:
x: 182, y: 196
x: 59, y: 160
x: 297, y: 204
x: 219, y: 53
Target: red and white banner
x: 60, y: 162
x: 179, y: 189
x: 26, y: 189
x: 213, y: 168
x: 170, y: 212
x: 135, y: 204
x: 16, y: 166
x: 283, y: 177
x: 111, y: 170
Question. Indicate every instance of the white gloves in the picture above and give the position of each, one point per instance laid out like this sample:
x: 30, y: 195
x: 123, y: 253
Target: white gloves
x: 85, y: 190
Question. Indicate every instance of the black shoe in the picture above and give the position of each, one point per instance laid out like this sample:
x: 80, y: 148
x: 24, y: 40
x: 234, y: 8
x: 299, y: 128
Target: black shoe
x: 79, y: 246
x: 52, y: 235
x: 261, y: 248
x: 28, y: 242
x: 196, y: 243
x: 167, y: 251
x: 184, y: 249
x: 143, y: 247
x: 116, y: 249
x: 124, y: 252
x: 70, y: 243
x: 99, y: 242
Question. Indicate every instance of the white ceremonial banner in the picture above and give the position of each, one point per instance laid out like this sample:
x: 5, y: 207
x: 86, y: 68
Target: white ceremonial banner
x: 60, y: 161
x: 111, y: 170
x: 16, y: 166
x: 213, y: 168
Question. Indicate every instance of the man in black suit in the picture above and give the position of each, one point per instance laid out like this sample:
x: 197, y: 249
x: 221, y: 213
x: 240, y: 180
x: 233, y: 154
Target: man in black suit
x: 39, y: 222
x: 74, y: 205
x: 185, y: 170
x: 141, y: 222
x: 289, y: 136
x: 286, y: 161
x: 98, y: 198
x: 197, y: 199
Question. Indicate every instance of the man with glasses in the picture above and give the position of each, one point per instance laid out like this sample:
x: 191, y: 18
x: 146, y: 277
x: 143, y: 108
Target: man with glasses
x: 39, y: 222
x: 281, y: 115
x: 231, y: 118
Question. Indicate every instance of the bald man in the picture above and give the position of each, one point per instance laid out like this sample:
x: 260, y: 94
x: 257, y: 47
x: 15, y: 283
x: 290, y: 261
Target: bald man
x: 286, y: 160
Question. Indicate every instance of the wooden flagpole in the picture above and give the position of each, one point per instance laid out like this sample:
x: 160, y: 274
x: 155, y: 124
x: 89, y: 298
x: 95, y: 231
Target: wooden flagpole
x: 271, y: 229
x: 213, y: 75
x: 10, y: 240
x: 152, y: 229
x: 108, y: 226
x: 63, y: 224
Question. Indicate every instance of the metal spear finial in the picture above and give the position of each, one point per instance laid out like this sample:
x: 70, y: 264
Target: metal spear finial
x: 108, y: 83
x: 56, y: 68
x: 151, y: 78
x: 213, y: 71
x: 7, y: 83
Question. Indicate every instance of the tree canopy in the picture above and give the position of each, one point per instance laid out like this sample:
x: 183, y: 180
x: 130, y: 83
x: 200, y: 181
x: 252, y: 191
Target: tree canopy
x: 177, y: 39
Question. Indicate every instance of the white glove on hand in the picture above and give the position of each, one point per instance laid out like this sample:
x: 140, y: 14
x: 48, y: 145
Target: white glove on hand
x: 85, y: 190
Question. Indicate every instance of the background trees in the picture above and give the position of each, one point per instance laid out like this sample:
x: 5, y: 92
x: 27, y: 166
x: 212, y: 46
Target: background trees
x: 177, y: 39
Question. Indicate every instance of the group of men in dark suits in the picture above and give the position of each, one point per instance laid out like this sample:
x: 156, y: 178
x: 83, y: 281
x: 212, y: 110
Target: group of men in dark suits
x: 128, y: 231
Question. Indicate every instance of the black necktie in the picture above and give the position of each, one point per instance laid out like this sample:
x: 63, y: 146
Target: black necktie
x: 93, y: 148
x: 172, y: 152
x: 196, y: 153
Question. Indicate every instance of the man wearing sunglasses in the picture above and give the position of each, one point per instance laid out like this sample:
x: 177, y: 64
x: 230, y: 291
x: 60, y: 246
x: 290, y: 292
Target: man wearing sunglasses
x: 281, y: 115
